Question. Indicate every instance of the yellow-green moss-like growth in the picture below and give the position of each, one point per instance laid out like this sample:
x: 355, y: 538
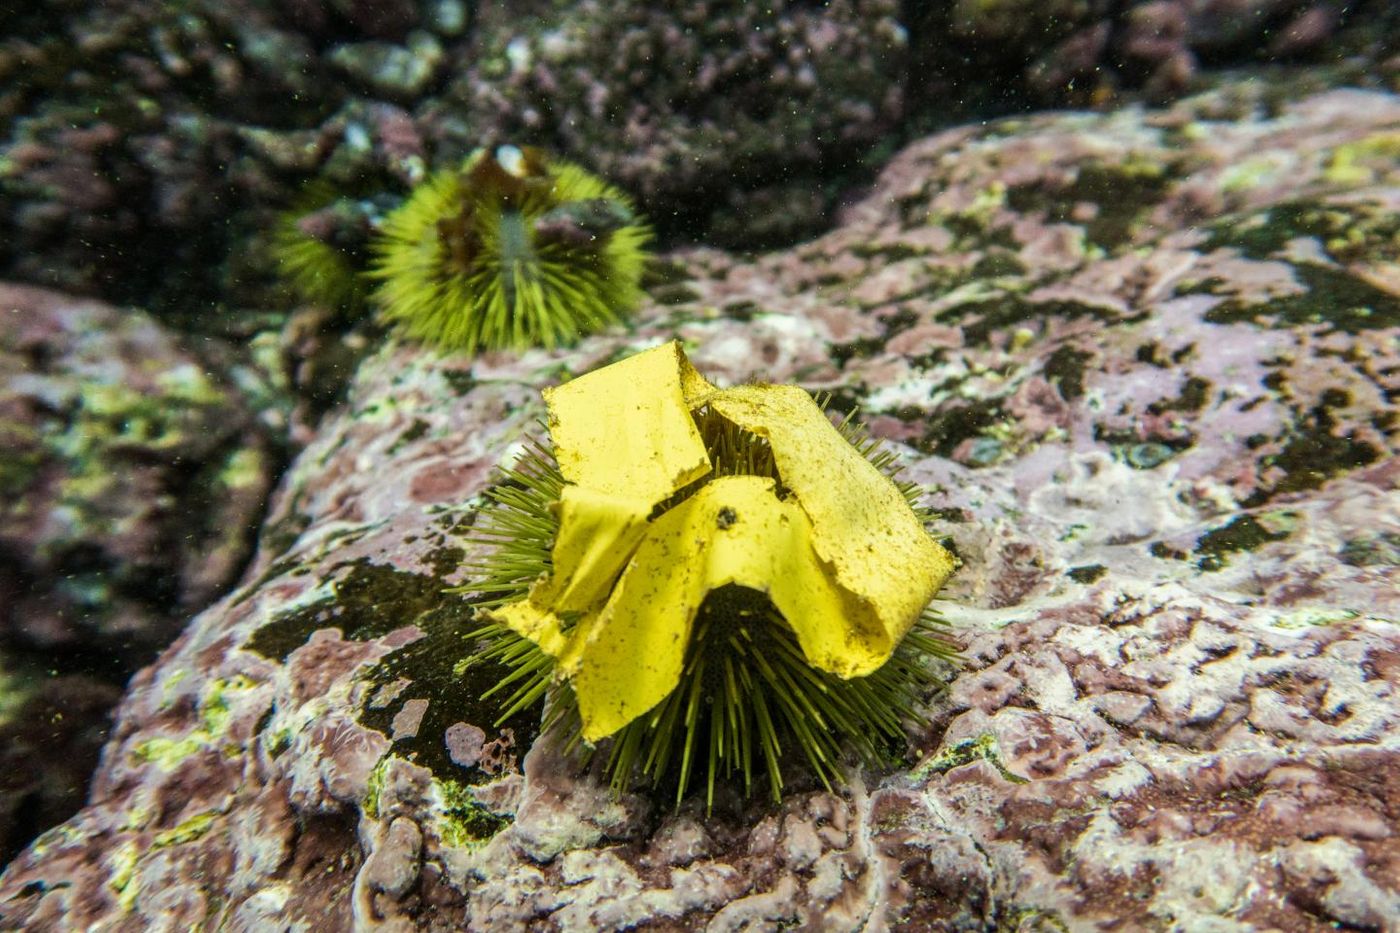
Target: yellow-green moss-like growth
x: 513, y: 250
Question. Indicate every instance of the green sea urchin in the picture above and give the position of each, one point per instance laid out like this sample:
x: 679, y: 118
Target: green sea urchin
x: 512, y: 250
x: 748, y: 694
x: 321, y: 244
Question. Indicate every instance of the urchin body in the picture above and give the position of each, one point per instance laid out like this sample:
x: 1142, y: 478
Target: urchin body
x: 748, y: 699
x: 321, y: 245
x: 510, y: 251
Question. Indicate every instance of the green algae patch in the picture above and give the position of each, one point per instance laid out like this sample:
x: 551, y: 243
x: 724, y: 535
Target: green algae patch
x: 980, y: 224
x: 214, y: 707
x: 191, y: 829
x: 122, y: 880
x: 167, y: 753
x: 465, y: 823
x: 1313, y: 617
x: 215, y: 712
x: 1243, y: 533
x: 1035, y: 920
x: 1363, y: 162
x: 64, y: 834
x: 462, y: 820
x: 375, y: 787
x: 983, y: 747
x: 367, y: 601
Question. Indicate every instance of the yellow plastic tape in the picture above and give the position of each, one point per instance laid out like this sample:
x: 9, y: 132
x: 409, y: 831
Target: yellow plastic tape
x: 843, y: 558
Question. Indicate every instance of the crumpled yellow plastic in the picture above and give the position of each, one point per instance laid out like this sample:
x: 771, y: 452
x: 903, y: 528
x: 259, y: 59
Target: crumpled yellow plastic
x: 843, y: 557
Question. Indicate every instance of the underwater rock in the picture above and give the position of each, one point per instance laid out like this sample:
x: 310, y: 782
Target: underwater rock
x: 1177, y: 332
x: 146, y: 149
x: 132, y: 470
x: 392, y: 72
x: 721, y: 117
x: 974, y: 56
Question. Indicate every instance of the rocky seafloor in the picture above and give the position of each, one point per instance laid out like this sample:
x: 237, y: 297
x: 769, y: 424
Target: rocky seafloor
x: 1147, y: 363
x: 146, y: 147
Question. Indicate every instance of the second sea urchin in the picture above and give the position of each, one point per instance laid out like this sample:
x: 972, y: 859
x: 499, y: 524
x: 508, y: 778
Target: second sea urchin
x: 511, y: 250
x: 321, y: 244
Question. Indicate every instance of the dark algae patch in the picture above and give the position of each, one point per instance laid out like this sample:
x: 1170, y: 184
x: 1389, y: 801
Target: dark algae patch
x: 979, y: 319
x: 866, y: 347
x: 1334, y: 297
x: 1347, y: 232
x: 1243, y: 533
x: 1120, y: 193
x: 433, y: 670
x: 1378, y: 550
x: 950, y: 427
x: 1195, y: 392
x: 445, y: 559
x: 460, y: 380
x: 369, y: 601
x: 1142, y: 453
x: 1316, y: 452
x: 1164, y: 551
x: 1064, y: 369
x: 413, y: 432
x: 1089, y: 573
x: 468, y: 821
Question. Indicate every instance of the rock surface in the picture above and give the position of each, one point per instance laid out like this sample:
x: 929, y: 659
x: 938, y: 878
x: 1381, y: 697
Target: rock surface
x: 146, y: 148
x: 972, y: 52
x: 1148, y: 363
x: 132, y: 470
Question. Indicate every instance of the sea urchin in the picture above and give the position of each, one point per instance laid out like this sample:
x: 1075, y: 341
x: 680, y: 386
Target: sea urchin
x: 512, y: 250
x: 708, y: 576
x: 321, y: 245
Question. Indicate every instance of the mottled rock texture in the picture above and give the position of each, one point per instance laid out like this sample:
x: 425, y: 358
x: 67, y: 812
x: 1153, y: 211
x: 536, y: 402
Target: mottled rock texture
x: 147, y: 148
x: 1148, y: 365
x: 724, y: 116
x: 131, y: 466
x: 134, y: 469
x: 127, y: 126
